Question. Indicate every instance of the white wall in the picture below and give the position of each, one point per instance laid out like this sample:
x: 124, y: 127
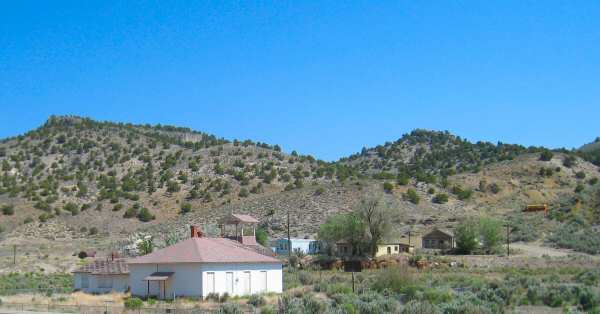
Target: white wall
x: 189, y: 277
x: 118, y: 283
x: 274, y: 277
x: 186, y: 280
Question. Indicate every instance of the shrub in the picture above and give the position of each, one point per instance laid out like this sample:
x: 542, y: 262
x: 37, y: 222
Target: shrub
x: 388, y: 187
x: 440, y: 198
x: 579, y: 188
x: 186, y: 208
x: 569, y: 161
x: 93, y: 231
x: 145, y: 215
x: 421, y: 307
x: 27, y: 220
x: 412, y: 196
x: 257, y: 300
x: 8, y: 210
x: 130, y: 212
x: 395, y: 279
x: 546, y: 155
x: 580, y: 175
x: 589, y: 277
x: 133, y: 303
x: 118, y: 207
x: 494, y: 188
x: 243, y: 192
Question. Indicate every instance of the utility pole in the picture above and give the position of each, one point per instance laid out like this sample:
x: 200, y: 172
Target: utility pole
x: 507, y: 239
x: 288, y: 234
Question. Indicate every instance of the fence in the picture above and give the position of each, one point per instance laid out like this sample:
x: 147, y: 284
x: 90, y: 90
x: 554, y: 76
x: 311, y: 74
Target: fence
x: 108, y: 309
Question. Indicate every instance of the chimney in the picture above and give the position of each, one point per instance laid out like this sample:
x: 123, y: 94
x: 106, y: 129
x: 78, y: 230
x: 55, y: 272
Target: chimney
x: 195, y: 232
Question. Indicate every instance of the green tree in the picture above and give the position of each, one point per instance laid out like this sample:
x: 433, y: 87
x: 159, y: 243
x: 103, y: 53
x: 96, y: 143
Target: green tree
x: 343, y: 227
x: 262, y: 237
x: 467, y: 236
x: 375, y: 214
x: 490, y: 231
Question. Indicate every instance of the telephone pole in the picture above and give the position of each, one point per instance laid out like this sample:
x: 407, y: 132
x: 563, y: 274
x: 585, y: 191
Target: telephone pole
x: 288, y: 235
x: 507, y: 239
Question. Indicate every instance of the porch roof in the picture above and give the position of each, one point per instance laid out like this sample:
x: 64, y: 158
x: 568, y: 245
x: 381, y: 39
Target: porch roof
x: 159, y: 276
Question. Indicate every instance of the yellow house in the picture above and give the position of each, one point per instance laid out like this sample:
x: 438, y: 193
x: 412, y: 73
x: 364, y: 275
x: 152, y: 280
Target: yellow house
x: 394, y: 247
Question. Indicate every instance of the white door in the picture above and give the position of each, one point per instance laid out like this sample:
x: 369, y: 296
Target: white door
x: 262, y: 282
x: 210, y: 283
x: 245, y: 283
x: 229, y: 283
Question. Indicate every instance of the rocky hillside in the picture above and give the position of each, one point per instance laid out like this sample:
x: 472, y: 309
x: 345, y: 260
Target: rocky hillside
x: 109, y: 177
x: 78, y: 178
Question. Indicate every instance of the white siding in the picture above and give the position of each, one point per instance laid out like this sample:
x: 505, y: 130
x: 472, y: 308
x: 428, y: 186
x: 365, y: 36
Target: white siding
x: 186, y: 280
x: 189, y: 277
x: 101, y: 283
x: 257, y: 272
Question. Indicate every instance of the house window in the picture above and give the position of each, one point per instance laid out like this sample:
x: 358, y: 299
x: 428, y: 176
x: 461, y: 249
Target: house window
x: 105, y: 282
x: 396, y: 248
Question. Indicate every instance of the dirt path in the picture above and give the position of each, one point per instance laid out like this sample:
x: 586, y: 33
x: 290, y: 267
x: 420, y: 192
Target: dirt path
x: 536, y: 250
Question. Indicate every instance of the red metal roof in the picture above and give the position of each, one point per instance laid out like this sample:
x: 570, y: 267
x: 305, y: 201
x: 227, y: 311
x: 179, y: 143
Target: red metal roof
x: 205, y: 250
x: 104, y: 267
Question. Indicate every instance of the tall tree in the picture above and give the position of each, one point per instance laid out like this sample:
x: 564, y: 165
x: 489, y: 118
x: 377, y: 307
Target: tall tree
x: 376, y: 214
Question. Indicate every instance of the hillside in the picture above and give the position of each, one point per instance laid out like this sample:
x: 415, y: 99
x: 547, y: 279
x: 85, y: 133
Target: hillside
x: 75, y: 183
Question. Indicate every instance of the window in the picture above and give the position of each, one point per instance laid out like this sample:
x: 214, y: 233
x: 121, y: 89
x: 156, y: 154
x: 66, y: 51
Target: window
x: 104, y: 282
x: 396, y: 248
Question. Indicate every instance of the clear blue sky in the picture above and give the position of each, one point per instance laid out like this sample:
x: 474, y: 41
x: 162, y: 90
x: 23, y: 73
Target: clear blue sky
x: 321, y: 77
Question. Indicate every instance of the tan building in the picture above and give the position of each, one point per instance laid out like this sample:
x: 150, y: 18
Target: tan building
x: 438, y: 239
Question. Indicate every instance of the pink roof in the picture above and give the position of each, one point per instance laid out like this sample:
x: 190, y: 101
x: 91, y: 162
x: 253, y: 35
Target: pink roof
x: 245, y: 218
x: 205, y: 250
x: 118, y: 266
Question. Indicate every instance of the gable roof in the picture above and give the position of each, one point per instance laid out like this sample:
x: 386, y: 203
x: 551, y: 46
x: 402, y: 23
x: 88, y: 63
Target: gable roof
x: 439, y: 231
x: 104, y: 267
x: 205, y: 250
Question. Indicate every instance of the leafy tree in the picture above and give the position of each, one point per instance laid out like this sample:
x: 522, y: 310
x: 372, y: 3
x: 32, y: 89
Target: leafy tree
x: 262, y: 236
x: 343, y: 227
x: 490, y: 231
x: 375, y: 214
x: 467, y: 237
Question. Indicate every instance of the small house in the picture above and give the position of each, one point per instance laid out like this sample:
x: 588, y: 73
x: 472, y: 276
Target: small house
x: 201, y: 266
x: 102, y: 276
x: 306, y: 246
x: 438, y: 239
